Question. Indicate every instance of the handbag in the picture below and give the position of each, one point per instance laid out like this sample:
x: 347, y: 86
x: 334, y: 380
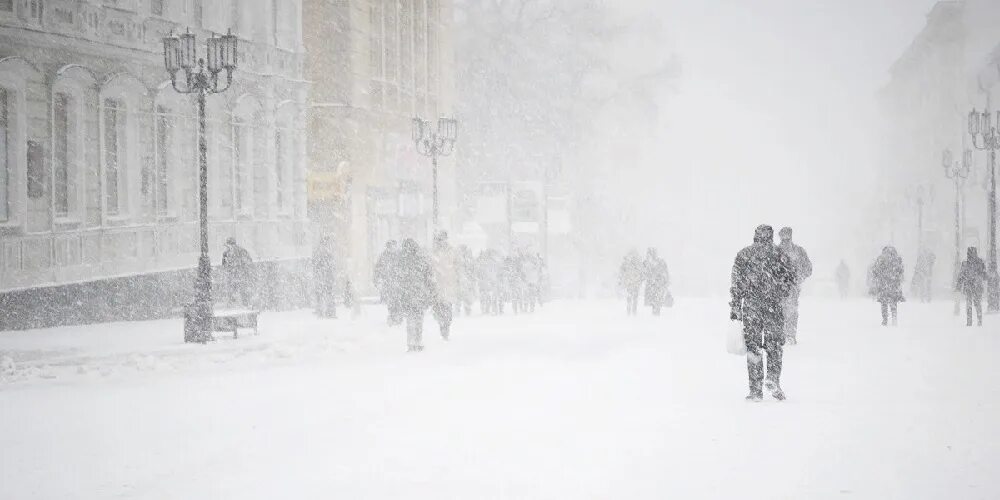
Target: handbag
x: 734, y: 339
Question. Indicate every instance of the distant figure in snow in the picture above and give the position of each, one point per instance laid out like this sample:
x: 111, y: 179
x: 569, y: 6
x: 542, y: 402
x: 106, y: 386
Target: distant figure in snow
x: 416, y: 285
x: 923, y: 272
x: 466, y: 280
x: 511, y: 284
x: 630, y: 277
x: 762, y: 279
x: 444, y: 262
x: 803, y: 269
x: 657, y: 278
x: 971, y: 282
x: 237, y: 267
x: 488, y: 277
x: 386, y: 278
x: 531, y: 269
x: 887, y: 283
x: 324, y: 277
x: 843, y: 276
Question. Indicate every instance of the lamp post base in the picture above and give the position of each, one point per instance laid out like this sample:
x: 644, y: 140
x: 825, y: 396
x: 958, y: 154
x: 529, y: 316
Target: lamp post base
x: 198, y: 315
x: 993, y: 295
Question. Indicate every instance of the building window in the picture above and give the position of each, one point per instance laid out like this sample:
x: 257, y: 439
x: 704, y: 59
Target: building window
x: 242, y: 163
x: 6, y: 5
x: 115, y: 161
x: 280, y: 153
x: 35, y: 10
x: 164, y: 156
x: 5, y: 156
x: 156, y: 7
x: 62, y: 154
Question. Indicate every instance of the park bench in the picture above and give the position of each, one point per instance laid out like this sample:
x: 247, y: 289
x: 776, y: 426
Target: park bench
x: 231, y: 320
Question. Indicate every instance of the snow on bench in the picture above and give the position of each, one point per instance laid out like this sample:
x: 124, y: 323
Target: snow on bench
x: 225, y: 320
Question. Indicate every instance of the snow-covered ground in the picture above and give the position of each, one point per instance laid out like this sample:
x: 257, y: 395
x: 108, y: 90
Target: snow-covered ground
x: 575, y: 402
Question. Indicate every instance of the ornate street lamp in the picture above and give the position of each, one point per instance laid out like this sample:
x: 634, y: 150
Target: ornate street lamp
x: 957, y: 172
x: 433, y: 144
x: 985, y: 137
x: 200, y: 77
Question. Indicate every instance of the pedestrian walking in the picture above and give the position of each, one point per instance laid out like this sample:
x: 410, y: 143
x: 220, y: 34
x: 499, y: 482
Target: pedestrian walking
x: 387, y: 281
x: 237, y: 266
x: 803, y: 269
x: 843, y: 276
x: 488, y: 279
x: 416, y: 287
x: 762, y: 278
x: 923, y: 273
x: 466, y: 280
x: 445, y: 283
x: 657, y: 278
x: 531, y: 269
x: 324, y: 279
x: 887, y: 274
x: 971, y: 283
x: 630, y: 276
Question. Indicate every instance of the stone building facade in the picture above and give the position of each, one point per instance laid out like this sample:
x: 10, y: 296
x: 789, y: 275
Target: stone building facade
x: 376, y: 64
x: 98, y: 156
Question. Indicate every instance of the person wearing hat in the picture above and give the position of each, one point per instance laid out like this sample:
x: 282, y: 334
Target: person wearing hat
x: 803, y: 269
x: 236, y: 265
x: 762, y: 278
x: 971, y: 279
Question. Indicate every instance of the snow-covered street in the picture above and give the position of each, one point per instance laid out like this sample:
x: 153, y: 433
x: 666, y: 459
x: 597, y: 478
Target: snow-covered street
x: 578, y: 401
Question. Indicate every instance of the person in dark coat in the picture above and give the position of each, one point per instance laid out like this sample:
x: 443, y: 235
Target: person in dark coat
x: 971, y: 282
x: 923, y: 272
x: 657, y: 278
x: 887, y: 283
x: 386, y: 278
x: 324, y: 277
x: 238, y: 268
x: 803, y: 269
x: 416, y: 287
x: 762, y: 278
x: 511, y: 284
x: 630, y: 276
x: 843, y: 276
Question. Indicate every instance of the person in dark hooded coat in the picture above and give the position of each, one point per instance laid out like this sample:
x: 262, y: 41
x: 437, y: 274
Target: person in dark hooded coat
x: 386, y: 278
x: 762, y: 278
x: 971, y: 282
x: 887, y: 283
x: 417, y: 293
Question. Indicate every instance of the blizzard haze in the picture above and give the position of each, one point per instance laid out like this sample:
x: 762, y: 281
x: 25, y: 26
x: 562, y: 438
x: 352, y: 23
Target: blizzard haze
x: 773, y: 120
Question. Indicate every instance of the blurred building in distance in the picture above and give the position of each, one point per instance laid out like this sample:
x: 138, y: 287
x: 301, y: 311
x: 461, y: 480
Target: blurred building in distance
x: 374, y: 66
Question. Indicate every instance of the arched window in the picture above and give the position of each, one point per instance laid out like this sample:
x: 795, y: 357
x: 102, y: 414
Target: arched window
x: 17, y: 147
x: 244, y: 119
x: 115, y: 156
x: 72, y: 97
x: 286, y: 154
x: 64, y: 124
x: 6, y: 158
x: 120, y: 100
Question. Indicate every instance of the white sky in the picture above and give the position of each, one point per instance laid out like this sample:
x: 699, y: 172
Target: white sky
x: 772, y: 119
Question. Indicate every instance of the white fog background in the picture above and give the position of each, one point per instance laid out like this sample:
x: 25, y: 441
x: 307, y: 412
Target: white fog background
x: 773, y: 120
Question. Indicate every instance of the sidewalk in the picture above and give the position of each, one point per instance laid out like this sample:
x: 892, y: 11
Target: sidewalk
x: 109, y: 349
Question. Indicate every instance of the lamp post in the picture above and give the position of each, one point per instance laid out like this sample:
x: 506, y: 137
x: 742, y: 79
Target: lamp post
x: 986, y: 138
x: 200, y: 77
x: 957, y: 172
x: 433, y: 144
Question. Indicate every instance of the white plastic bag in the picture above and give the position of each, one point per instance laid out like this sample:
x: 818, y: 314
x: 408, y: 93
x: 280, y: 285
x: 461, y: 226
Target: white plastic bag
x: 734, y: 339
